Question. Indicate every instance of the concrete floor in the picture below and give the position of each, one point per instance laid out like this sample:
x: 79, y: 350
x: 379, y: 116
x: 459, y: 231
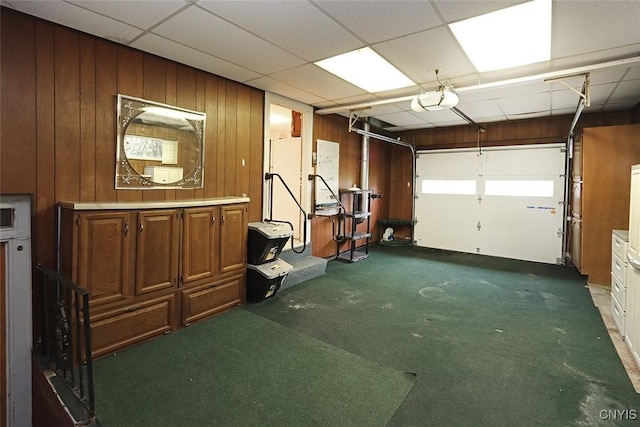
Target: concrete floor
x: 601, y: 296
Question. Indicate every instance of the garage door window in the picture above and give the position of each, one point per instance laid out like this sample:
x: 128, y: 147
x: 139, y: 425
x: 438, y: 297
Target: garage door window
x: 519, y: 188
x: 449, y: 186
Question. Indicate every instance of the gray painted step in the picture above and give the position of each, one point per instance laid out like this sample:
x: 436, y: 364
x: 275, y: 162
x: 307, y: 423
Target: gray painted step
x: 305, y: 266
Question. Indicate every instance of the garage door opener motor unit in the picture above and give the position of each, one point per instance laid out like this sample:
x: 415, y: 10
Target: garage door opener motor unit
x: 265, y: 271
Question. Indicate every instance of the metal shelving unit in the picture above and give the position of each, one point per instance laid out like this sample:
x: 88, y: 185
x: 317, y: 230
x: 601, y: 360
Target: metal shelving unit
x: 357, y: 224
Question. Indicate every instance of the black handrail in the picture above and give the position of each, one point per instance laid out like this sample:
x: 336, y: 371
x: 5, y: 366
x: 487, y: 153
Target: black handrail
x: 64, y: 343
x: 269, y: 177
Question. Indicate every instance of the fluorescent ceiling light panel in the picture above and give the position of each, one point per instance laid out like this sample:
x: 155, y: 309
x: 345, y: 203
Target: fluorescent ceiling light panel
x: 367, y: 70
x: 508, y: 37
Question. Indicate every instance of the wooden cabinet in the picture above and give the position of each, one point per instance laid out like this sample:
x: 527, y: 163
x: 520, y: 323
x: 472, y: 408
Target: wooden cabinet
x: 156, y: 250
x: 233, y: 238
x: 600, y: 195
x: 199, y: 244
x: 153, y: 267
x: 99, y: 244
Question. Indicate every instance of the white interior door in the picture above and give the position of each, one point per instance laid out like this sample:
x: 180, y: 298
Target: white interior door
x: 282, y: 162
x: 286, y: 161
x: 515, y: 210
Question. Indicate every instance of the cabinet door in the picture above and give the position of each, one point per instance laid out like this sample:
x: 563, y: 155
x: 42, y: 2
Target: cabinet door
x: 233, y: 237
x: 200, y: 302
x: 632, y: 332
x: 157, y: 250
x: 103, y: 254
x: 199, y: 244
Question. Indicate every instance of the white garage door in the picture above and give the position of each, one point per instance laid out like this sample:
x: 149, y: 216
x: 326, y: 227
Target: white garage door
x: 505, y: 202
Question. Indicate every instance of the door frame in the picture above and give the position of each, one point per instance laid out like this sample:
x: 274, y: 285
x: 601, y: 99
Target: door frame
x: 307, y: 150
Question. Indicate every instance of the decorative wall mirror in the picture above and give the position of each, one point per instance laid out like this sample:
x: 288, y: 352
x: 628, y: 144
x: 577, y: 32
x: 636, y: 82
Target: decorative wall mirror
x: 159, y: 146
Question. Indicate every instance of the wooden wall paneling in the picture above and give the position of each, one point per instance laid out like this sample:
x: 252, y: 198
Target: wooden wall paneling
x: 67, y: 113
x: 400, y: 183
x: 130, y: 82
x: 200, y: 104
x: 379, y: 168
x: 171, y: 99
x: 230, y: 141
x: 608, y: 154
x: 256, y: 180
x: 221, y: 139
x: 45, y: 197
x: 18, y: 104
x: 211, y: 137
x: 154, y: 89
x: 106, y: 116
x: 243, y: 144
x: 87, y: 118
x: 186, y: 98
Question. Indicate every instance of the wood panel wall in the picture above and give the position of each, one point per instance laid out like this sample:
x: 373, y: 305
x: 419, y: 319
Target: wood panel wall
x: 607, y: 156
x: 336, y: 128
x: 527, y: 131
x: 58, y: 129
x: 58, y: 121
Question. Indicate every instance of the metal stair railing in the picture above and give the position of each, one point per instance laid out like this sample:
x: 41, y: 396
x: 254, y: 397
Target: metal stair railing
x: 64, y: 343
x: 269, y: 177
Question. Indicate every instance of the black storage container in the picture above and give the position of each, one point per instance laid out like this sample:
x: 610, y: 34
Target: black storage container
x: 266, y: 240
x: 264, y: 280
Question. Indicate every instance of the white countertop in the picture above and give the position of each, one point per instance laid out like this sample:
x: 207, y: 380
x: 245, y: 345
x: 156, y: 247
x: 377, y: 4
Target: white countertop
x: 191, y: 203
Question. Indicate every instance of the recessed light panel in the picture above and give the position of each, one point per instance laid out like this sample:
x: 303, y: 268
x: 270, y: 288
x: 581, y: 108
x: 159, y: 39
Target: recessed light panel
x: 506, y: 38
x: 367, y: 70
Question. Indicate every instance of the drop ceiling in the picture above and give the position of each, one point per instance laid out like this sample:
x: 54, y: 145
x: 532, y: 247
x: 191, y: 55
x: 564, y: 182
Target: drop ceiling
x: 271, y: 45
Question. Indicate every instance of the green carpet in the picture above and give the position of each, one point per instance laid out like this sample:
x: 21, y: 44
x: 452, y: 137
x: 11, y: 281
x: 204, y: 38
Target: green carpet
x: 493, y: 342
x: 240, y: 369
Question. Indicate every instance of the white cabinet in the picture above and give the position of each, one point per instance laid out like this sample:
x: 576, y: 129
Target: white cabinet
x: 632, y: 336
x: 619, y: 267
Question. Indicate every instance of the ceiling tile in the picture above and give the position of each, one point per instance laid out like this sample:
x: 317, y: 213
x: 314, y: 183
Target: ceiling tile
x: 458, y: 10
x: 525, y: 104
x: 217, y: 37
x: 480, y: 110
x: 575, y: 28
x: 561, y: 99
x: 296, y: 26
x: 419, y: 55
x: 377, y: 21
x: 275, y: 86
x: 81, y: 19
x: 317, y: 81
x: 141, y: 14
x: 168, y: 49
x: 629, y: 90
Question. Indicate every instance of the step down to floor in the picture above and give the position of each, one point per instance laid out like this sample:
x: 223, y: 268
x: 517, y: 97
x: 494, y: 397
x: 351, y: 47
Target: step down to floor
x: 305, y: 266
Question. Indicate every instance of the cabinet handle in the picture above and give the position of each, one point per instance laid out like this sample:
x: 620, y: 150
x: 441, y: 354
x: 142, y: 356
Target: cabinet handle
x: 141, y: 226
x: 126, y: 229
x: 222, y: 220
x: 213, y: 221
x: 134, y: 308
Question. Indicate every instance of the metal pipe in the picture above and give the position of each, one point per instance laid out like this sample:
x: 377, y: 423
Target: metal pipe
x: 364, y: 164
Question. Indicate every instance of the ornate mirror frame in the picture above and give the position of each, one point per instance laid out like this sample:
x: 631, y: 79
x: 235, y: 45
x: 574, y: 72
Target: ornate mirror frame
x: 158, y: 145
